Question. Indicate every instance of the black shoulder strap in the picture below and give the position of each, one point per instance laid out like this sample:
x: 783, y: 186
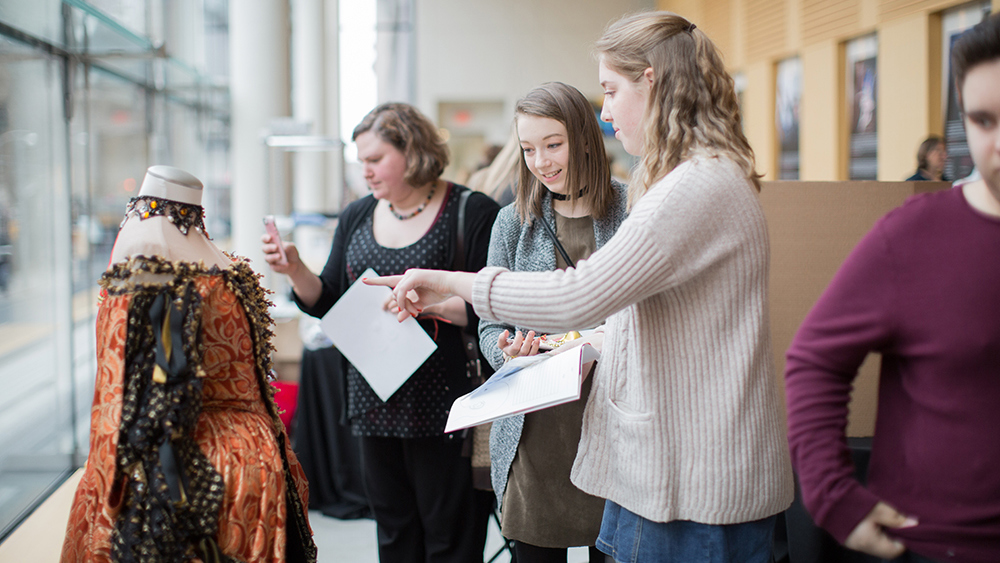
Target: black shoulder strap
x: 555, y: 241
x: 459, y: 261
x: 469, y: 341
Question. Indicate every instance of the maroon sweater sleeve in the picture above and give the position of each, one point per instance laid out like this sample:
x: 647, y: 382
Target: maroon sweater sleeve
x: 853, y: 317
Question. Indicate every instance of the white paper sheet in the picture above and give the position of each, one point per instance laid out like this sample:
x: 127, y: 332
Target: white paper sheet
x: 542, y: 381
x: 385, y: 351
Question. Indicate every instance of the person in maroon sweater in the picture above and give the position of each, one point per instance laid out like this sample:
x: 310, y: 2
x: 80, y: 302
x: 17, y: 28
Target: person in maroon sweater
x: 923, y: 289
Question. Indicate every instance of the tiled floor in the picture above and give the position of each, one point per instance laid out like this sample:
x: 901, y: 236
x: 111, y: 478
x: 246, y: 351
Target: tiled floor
x: 353, y: 541
x: 343, y: 541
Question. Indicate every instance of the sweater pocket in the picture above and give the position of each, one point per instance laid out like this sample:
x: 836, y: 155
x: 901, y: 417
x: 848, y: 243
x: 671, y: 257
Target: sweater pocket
x: 626, y: 413
x: 628, y: 440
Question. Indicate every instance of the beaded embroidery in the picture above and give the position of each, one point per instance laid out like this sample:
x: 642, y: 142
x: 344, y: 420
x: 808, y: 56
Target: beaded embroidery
x: 184, y: 216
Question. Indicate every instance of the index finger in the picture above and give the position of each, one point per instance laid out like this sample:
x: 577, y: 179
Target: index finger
x: 387, y: 281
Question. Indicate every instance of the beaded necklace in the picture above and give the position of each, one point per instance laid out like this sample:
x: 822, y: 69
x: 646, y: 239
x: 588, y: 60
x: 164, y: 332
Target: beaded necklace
x: 416, y: 212
x: 184, y: 216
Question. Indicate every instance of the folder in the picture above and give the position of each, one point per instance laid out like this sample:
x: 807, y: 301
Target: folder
x: 524, y: 384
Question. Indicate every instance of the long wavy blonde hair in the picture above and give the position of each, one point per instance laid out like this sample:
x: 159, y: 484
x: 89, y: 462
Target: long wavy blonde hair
x: 692, y: 105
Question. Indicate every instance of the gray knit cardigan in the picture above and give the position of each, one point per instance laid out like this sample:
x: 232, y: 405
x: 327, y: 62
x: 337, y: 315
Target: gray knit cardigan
x: 525, y: 247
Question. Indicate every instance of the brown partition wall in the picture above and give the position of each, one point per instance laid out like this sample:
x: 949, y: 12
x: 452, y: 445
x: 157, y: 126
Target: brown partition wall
x: 813, y: 227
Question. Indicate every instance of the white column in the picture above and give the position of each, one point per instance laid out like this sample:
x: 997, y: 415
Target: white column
x: 395, y: 61
x: 184, y: 37
x: 259, y: 91
x: 308, y: 93
x: 334, y: 159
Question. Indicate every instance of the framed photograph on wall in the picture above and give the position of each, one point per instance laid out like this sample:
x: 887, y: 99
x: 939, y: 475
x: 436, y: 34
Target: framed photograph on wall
x: 862, y: 99
x: 788, y: 95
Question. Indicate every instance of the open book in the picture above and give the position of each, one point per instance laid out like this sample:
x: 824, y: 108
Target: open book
x: 524, y: 384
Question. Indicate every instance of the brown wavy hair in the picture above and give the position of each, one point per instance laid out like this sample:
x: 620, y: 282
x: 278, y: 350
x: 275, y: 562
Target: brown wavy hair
x: 692, y: 105
x: 404, y: 127
x: 588, y: 163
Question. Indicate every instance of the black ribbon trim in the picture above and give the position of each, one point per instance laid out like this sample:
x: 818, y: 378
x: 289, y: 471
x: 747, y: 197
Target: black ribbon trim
x: 176, y: 368
x: 176, y: 365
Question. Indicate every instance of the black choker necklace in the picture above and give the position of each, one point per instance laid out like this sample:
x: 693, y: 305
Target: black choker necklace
x: 564, y: 197
x: 416, y: 212
x: 184, y: 216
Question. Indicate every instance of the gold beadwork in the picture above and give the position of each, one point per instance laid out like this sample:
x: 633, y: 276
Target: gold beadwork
x: 184, y: 216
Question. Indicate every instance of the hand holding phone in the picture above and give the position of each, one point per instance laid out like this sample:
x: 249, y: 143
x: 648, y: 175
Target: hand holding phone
x: 272, y: 230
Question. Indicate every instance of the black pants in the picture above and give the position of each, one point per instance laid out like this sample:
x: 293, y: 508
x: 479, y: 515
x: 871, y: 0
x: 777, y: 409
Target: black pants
x: 527, y: 553
x: 421, y: 494
x: 909, y: 557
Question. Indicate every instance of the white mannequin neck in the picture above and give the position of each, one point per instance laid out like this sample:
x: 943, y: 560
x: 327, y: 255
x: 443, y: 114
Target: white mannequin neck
x: 156, y: 235
x: 171, y: 183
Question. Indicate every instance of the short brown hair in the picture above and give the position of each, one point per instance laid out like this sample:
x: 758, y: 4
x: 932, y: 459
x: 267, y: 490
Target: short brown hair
x: 981, y: 44
x: 929, y: 144
x: 404, y: 127
x: 588, y: 162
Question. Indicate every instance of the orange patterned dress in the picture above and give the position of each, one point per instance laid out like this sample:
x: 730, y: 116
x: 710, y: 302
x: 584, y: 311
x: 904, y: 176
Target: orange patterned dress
x: 260, y: 511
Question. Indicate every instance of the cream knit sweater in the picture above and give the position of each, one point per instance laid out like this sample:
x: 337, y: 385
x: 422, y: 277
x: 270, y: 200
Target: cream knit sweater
x: 684, y: 420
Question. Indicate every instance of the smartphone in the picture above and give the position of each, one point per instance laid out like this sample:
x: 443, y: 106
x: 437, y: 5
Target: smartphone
x: 272, y: 230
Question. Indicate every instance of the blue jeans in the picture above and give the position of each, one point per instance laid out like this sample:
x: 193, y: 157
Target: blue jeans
x: 630, y: 538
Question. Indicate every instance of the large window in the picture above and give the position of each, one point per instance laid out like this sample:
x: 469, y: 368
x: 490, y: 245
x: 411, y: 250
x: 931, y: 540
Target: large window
x: 36, y: 439
x: 87, y: 103
x: 359, y: 87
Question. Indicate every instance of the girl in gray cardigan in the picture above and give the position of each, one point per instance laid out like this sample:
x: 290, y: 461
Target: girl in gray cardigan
x: 565, y: 182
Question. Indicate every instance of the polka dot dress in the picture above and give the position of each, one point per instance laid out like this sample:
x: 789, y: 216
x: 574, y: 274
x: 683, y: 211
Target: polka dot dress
x: 420, y: 407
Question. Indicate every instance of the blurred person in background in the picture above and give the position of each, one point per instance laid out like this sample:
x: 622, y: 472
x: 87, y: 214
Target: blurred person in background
x: 498, y: 179
x: 931, y: 158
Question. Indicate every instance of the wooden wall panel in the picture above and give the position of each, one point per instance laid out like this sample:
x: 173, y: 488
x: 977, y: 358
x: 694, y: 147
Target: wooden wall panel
x: 717, y: 25
x: 766, y: 29
x: 825, y: 19
x: 890, y: 9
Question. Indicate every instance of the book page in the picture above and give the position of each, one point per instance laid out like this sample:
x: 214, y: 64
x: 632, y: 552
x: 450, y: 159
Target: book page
x: 546, y: 381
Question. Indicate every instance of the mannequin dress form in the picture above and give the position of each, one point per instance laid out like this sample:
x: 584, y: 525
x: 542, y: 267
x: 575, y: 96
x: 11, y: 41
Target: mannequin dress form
x: 188, y: 458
